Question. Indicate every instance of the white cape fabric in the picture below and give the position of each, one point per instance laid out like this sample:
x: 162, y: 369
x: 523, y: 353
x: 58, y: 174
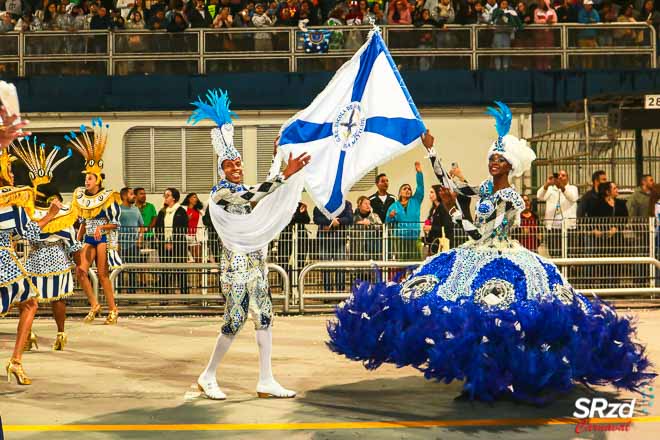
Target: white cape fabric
x: 363, y: 118
x: 245, y: 233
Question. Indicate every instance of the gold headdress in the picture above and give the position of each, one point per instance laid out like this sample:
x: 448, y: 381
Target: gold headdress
x: 91, y: 147
x: 39, y: 164
x: 5, y: 163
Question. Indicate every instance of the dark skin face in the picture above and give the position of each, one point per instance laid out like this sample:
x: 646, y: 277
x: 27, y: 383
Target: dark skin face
x: 498, y: 166
x: 233, y: 170
x: 383, y: 184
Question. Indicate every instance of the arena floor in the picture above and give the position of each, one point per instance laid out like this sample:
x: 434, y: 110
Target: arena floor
x: 136, y: 381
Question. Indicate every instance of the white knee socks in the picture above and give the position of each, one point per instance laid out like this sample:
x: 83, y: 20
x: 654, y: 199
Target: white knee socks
x: 265, y: 344
x: 222, y: 345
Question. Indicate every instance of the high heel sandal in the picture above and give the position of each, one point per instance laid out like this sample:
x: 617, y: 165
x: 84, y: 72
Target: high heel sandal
x: 93, y: 313
x: 112, y: 317
x: 60, y: 342
x: 31, y: 340
x: 16, y: 368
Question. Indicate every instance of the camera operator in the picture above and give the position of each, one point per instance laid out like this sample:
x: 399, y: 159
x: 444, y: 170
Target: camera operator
x: 560, y: 206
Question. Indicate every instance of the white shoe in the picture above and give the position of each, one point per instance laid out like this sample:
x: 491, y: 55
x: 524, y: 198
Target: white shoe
x: 211, y: 389
x: 273, y: 389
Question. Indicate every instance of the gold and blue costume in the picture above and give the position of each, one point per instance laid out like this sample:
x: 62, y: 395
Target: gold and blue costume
x: 15, y: 281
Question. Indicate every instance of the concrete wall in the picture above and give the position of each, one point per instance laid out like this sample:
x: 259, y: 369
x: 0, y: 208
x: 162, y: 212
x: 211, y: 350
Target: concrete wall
x: 463, y: 135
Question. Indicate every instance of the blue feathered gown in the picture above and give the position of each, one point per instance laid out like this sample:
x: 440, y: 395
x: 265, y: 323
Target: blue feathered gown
x: 498, y: 317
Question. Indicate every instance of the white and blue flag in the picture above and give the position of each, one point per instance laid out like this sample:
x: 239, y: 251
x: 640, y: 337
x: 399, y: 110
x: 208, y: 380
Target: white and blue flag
x: 363, y: 118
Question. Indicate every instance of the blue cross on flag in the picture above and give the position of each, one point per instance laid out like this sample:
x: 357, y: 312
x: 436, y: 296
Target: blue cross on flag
x: 363, y: 118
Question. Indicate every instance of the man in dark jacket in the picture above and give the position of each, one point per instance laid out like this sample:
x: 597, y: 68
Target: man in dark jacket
x: 101, y: 21
x: 588, y: 201
x: 381, y: 200
x: 331, y: 239
x: 199, y: 15
x: 170, y: 230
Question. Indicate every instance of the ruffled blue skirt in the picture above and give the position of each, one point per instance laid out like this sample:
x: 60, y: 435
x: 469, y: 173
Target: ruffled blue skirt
x: 504, y: 321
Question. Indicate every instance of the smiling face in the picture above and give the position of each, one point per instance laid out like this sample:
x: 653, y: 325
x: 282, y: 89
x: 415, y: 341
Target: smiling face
x: 498, y: 165
x: 233, y: 170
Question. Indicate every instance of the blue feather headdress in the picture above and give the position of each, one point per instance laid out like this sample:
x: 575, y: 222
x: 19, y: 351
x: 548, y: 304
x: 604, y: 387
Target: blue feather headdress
x: 503, y: 117
x: 216, y: 109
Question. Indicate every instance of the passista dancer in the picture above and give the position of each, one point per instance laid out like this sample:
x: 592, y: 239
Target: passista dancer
x: 245, y: 233
x: 99, y: 211
x: 491, y: 313
x: 50, y: 259
x: 16, y: 205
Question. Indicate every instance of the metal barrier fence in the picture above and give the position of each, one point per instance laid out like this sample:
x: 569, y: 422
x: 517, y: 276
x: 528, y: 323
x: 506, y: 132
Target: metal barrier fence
x: 211, y: 51
x: 609, y: 254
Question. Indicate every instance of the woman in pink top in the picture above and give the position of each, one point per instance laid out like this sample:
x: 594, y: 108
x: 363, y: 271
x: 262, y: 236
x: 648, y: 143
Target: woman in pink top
x: 399, y: 13
x: 544, y: 14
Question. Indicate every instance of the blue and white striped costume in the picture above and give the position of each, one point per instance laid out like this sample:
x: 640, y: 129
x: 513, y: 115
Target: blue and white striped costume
x: 98, y: 210
x: 15, y: 283
x: 50, y: 264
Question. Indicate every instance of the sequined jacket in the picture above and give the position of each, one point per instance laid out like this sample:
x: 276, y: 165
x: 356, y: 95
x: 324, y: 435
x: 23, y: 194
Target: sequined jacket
x: 496, y: 211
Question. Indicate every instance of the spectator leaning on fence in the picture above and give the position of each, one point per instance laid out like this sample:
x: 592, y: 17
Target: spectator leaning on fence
x: 404, y: 215
x: 489, y: 8
x: 638, y: 202
x: 130, y: 236
x: 148, y: 212
x: 608, y: 203
x: 170, y: 228
x: 331, y: 239
x: 587, y: 202
x: 567, y: 12
x: 560, y: 208
x: 381, y: 200
x: 438, y: 224
x: 528, y: 233
x: 195, y: 234
x: 399, y: 12
x: 199, y: 15
x: 366, y: 241
x: 587, y: 37
x: 507, y: 22
x: 263, y: 41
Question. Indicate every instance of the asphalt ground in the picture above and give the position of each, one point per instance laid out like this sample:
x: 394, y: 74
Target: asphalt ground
x: 136, y: 381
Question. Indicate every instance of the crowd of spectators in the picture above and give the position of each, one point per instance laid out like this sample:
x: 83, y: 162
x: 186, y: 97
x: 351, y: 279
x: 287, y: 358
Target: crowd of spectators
x: 178, y: 15
x: 387, y: 226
